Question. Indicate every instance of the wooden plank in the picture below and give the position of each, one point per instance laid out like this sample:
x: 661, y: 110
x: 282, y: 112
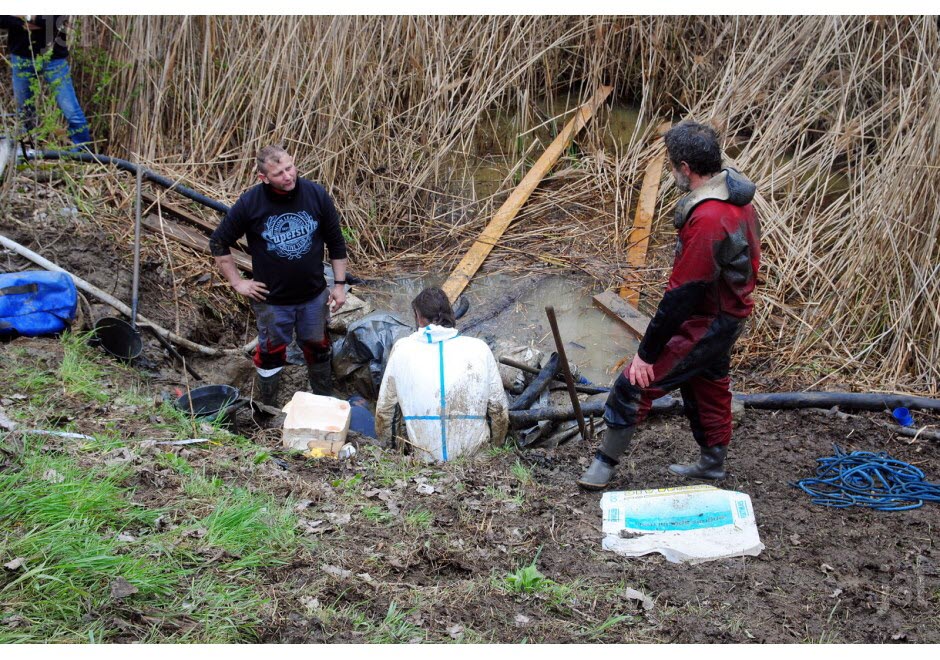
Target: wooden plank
x: 478, y: 252
x: 618, y: 308
x: 178, y: 211
x: 187, y: 216
x: 639, y: 237
x: 190, y: 238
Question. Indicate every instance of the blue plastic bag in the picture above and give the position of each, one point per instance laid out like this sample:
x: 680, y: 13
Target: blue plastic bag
x: 34, y: 303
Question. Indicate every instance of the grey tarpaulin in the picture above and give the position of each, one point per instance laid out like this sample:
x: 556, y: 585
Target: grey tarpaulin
x: 363, y: 352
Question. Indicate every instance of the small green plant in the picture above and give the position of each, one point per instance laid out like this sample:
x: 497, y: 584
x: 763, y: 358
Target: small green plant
x: 348, y: 485
x: 201, y: 486
x: 419, y: 519
x: 501, y: 495
x: 396, y: 629
x: 597, y: 632
x: 527, y: 579
x: 377, y: 514
x: 79, y: 372
x: 500, y: 450
x: 522, y: 473
x: 175, y: 462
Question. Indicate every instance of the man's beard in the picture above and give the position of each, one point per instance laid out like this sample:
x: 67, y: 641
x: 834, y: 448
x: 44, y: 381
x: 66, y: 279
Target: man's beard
x: 682, y: 182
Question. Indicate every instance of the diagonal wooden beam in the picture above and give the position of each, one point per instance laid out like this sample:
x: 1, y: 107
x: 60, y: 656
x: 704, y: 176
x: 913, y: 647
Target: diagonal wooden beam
x: 638, y: 239
x: 478, y: 252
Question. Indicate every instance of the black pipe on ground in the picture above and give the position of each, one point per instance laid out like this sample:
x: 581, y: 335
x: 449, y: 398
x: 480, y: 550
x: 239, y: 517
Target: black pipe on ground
x: 150, y: 175
x: 127, y: 166
x: 778, y: 401
x: 531, y: 393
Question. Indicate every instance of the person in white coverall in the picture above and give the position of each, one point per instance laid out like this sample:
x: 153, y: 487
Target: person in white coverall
x: 448, y: 386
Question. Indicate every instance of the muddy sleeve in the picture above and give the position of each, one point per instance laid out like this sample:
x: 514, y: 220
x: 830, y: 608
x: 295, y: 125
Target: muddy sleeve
x: 695, y: 270
x: 332, y: 233
x: 385, y: 405
x: 497, y: 405
x: 226, y: 235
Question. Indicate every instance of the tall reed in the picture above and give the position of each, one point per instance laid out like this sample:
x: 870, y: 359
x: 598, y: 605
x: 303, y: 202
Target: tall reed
x: 834, y: 118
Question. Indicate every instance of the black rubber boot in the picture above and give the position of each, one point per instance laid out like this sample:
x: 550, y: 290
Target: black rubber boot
x: 267, y: 388
x: 598, y: 475
x: 711, y: 464
x: 320, y: 375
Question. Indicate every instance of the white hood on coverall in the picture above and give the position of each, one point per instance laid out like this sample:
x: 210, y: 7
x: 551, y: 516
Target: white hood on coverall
x: 447, y: 386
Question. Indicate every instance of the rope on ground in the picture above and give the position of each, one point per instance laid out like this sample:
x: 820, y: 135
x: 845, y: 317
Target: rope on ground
x: 866, y: 479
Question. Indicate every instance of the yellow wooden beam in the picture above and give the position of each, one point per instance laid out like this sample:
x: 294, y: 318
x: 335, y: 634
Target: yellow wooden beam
x: 638, y: 239
x: 478, y: 252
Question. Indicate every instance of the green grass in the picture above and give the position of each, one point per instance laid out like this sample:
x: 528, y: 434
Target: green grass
x: 252, y: 528
x: 419, y: 520
x: 611, y: 624
x: 377, y: 514
x: 395, y: 628
x: 521, y: 473
x: 175, y: 462
x: 79, y: 372
x: 501, y: 495
x: 66, y: 522
x: 500, y: 450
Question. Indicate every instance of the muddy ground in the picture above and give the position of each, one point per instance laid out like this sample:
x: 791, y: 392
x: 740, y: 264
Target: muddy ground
x: 826, y: 575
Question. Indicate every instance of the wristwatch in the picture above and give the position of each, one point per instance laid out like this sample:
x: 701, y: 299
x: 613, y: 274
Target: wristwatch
x: 335, y: 282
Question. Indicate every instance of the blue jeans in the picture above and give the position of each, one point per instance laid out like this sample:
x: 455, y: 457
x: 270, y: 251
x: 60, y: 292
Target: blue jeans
x: 57, y: 75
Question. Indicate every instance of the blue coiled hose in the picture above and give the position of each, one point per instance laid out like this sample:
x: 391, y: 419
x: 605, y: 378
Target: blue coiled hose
x: 867, y: 479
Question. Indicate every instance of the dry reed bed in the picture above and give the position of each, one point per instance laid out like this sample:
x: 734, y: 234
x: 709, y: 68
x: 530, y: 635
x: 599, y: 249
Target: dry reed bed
x: 834, y: 118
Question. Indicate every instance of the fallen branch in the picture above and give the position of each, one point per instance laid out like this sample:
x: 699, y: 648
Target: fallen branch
x: 117, y: 304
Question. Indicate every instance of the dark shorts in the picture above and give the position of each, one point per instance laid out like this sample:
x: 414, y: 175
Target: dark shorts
x: 278, y: 324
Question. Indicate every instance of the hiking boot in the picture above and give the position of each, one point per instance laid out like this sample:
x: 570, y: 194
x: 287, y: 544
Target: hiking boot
x: 711, y: 464
x: 267, y: 388
x: 320, y: 376
x: 598, y: 475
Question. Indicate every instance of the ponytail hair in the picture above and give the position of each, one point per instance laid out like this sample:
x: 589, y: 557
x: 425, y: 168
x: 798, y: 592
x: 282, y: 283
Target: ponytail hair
x: 433, y: 305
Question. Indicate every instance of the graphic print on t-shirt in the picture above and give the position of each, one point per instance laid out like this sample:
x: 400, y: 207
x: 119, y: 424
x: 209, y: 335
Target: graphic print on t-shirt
x: 289, y: 235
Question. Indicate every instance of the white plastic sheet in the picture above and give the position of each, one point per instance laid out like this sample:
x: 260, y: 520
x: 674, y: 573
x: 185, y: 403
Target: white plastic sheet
x: 689, y: 524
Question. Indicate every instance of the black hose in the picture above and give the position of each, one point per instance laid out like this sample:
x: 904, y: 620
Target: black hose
x: 128, y: 166
x: 846, y: 400
x: 149, y: 175
x: 778, y: 401
x: 531, y: 393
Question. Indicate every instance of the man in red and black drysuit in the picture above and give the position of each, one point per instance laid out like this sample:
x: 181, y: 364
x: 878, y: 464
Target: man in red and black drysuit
x: 702, y: 313
x: 287, y: 221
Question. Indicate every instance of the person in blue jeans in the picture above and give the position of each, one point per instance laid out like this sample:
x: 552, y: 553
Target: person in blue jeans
x: 37, y: 49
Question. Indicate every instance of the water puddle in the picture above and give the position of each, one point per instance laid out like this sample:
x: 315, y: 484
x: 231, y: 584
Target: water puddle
x: 593, y: 341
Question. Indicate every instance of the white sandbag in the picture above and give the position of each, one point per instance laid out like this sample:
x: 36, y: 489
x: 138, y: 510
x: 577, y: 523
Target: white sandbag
x: 688, y: 524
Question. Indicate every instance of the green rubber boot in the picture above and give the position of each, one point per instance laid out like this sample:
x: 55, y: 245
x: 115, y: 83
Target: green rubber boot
x: 598, y: 475
x: 320, y: 376
x: 267, y: 388
x: 711, y: 464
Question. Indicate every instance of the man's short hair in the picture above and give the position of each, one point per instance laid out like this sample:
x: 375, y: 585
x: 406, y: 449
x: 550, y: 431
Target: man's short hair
x: 433, y: 305
x: 273, y: 152
x: 696, y: 144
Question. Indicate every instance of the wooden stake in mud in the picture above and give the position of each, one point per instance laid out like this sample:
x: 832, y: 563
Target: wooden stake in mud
x: 478, y: 252
x: 575, y: 403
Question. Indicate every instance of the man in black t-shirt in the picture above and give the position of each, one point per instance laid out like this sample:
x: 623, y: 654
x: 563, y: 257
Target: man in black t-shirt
x: 287, y: 221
